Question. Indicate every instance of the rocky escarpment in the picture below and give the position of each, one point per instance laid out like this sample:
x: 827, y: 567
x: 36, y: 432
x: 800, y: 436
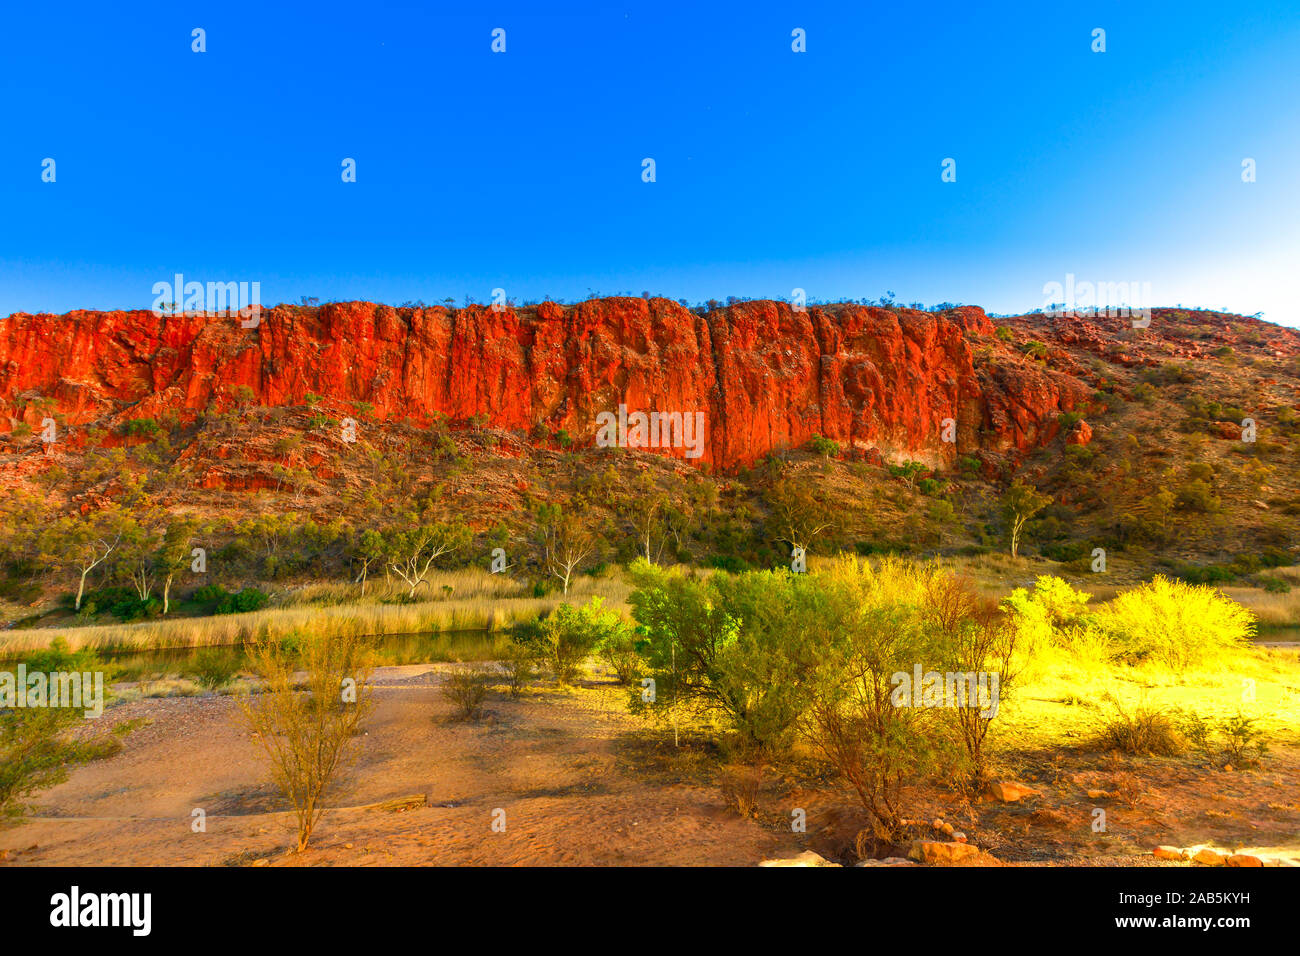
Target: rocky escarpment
x: 879, y: 381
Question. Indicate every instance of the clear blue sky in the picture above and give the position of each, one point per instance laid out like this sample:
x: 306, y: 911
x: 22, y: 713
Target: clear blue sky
x: 522, y: 170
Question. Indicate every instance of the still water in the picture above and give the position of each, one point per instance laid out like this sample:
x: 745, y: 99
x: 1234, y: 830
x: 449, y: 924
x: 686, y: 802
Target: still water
x: 478, y: 645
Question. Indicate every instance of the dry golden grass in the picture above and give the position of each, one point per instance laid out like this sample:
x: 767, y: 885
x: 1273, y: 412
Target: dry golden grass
x: 1271, y: 610
x: 1065, y: 697
x: 485, y: 611
x: 466, y: 584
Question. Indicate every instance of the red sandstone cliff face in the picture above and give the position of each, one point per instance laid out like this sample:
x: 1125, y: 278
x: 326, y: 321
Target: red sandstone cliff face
x: 764, y: 375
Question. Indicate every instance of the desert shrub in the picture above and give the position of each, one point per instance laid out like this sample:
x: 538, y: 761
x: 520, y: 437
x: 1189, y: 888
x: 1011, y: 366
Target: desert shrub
x: 974, y: 637
x: 1067, y: 420
x: 571, y: 633
x: 1063, y: 604
x: 104, y: 598
x: 1274, y: 585
x: 1169, y: 374
x: 618, y: 649
x: 875, y: 631
x: 1065, y: 551
x: 517, y: 661
x: 908, y: 471
x: 1242, y: 745
x: 740, y: 785
x: 308, y: 733
x: 35, y: 753
x: 466, y: 688
x: 133, y: 608
x: 141, y: 427
x: 1144, y: 730
x: 932, y: 487
x: 214, y: 668
x: 1052, y: 614
x: 1243, y: 742
x: 730, y: 648
x: 730, y: 563
x: 1175, y: 624
x: 1197, y: 496
x: 824, y: 447
x: 941, y: 511
x: 209, y: 594
x: 1144, y: 392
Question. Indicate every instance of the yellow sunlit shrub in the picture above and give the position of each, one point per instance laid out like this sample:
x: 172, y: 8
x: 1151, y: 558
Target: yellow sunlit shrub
x: 1175, y: 624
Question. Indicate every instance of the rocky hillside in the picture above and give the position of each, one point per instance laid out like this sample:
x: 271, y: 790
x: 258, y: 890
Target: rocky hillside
x: 1138, y: 436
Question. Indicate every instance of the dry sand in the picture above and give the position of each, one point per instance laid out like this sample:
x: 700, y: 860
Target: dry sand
x: 581, y: 783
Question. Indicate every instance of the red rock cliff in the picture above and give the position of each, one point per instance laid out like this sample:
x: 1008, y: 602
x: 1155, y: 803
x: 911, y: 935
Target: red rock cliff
x: 765, y: 375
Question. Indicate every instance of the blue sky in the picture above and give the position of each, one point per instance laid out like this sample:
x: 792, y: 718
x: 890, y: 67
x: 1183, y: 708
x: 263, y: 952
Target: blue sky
x: 774, y: 169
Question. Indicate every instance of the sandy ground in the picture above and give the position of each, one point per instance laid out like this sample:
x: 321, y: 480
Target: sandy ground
x: 580, y: 783
x: 550, y: 761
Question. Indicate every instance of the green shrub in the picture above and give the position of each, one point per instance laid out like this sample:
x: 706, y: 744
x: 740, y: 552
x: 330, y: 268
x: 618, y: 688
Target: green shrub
x: 134, y: 609
x: 618, y: 649
x: 1243, y: 742
x: 138, y: 427
x: 249, y: 599
x: 730, y: 563
x: 572, y: 633
x: 1196, y: 495
x: 824, y: 447
x: 724, y: 648
x: 932, y: 487
x: 35, y: 751
x: 1274, y: 585
x: 1065, y: 551
x: 908, y: 471
x: 1066, y: 420
x: 209, y: 594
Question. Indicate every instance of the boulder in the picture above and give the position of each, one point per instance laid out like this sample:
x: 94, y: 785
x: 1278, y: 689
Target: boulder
x: 941, y: 854
x: 806, y: 858
x: 1010, y: 792
x: 1209, y: 857
x: 1081, y: 435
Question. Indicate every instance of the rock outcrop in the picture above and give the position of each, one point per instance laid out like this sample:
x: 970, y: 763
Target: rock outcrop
x: 881, y: 382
